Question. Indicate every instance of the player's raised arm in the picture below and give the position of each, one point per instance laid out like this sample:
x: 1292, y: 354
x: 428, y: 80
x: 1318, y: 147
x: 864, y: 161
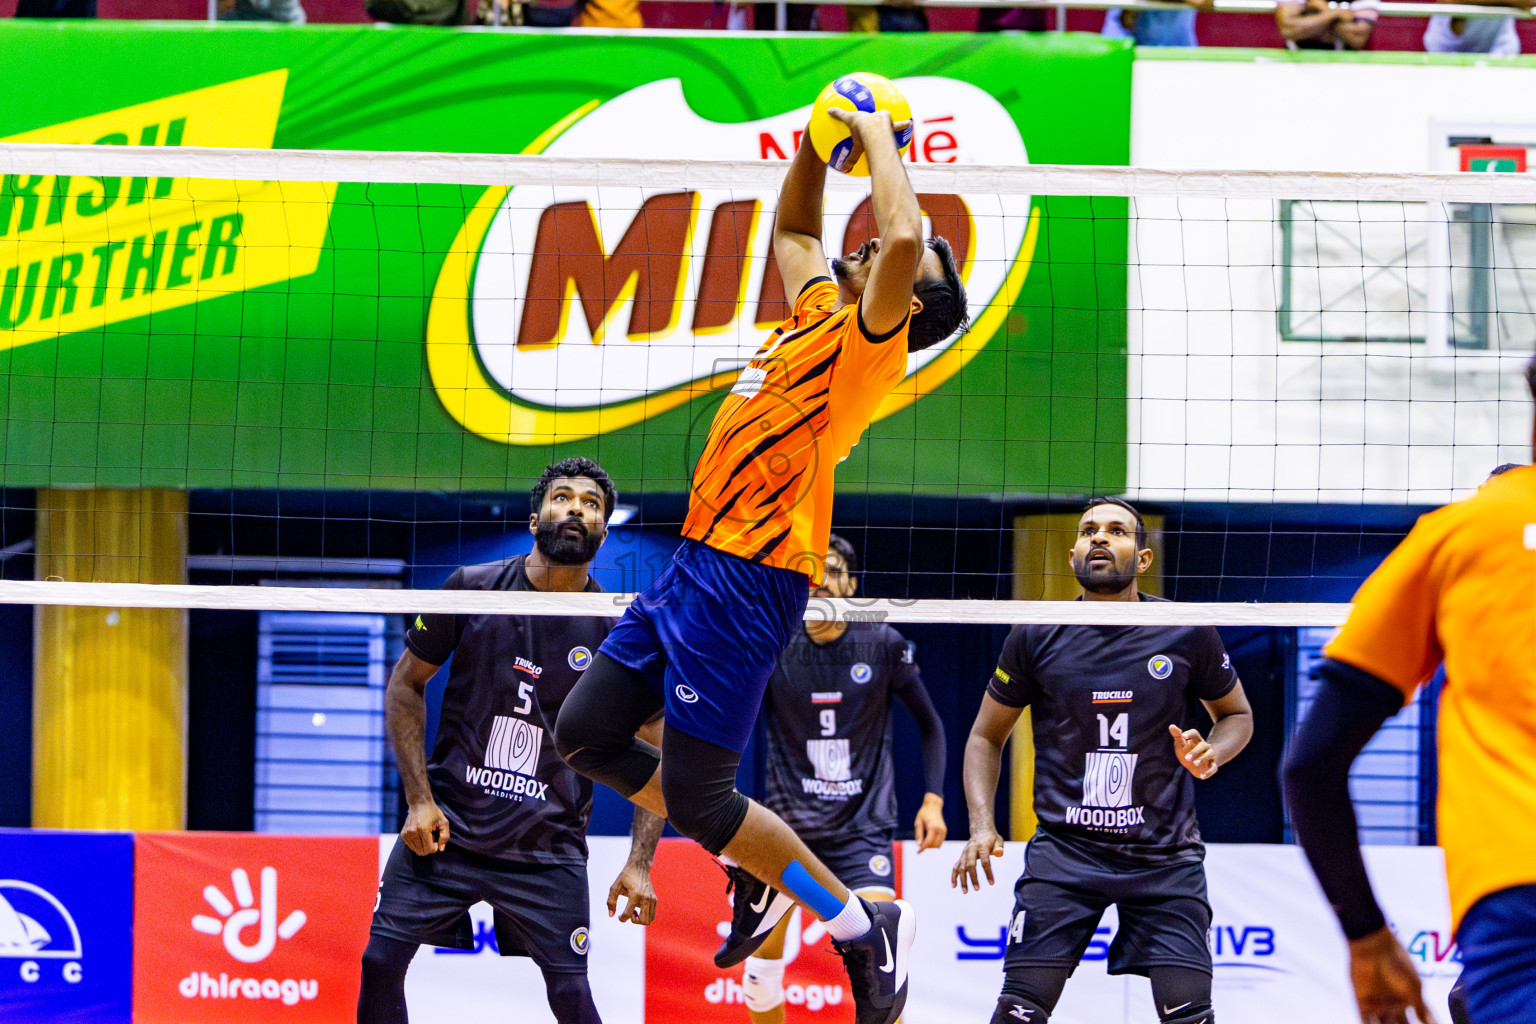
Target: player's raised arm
x: 797, y: 228
x: 887, y: 299
x: 983, y: 765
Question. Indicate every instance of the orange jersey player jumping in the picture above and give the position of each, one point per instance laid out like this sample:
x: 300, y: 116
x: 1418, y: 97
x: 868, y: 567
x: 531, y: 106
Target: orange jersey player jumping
x: 1460, y: 589
x: 703, y: 640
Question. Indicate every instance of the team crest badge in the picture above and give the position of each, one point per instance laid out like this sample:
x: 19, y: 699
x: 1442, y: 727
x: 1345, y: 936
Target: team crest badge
x: 1160, y: 666
x: 579, y: 658
x: 880, y: 864
x: 580, y: 941
x: 861, y: 673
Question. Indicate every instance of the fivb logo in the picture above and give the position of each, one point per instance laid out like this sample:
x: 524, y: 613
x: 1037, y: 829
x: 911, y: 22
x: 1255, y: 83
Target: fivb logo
x: 230, y: 924
x: 567, y: 311
x: 511, y: 759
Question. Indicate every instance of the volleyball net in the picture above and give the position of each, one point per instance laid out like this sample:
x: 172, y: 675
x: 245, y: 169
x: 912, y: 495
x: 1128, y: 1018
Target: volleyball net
x: 351, y: 367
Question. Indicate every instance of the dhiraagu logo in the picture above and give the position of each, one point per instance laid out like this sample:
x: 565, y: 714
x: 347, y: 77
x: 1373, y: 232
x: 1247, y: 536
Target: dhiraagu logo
x: 562, y: 312
x: 79, y: 253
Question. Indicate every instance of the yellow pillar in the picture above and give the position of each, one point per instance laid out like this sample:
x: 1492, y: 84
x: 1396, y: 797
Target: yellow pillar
x: 110, y: 684
x: 1042, y: 572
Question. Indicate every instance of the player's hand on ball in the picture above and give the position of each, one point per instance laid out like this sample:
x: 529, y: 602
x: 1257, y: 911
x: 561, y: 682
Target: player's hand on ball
x: 1195, y: 754
x: 634, y: 884
x: 1386, y: 981
x: 425, y: 830
x: 929, y: 829
x: 859, y: 122
x: 979, y: 850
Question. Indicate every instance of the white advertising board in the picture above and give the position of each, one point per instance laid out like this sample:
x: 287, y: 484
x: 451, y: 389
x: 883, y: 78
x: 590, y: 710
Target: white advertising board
x: 1279, y: 956
x: 1334, y: 352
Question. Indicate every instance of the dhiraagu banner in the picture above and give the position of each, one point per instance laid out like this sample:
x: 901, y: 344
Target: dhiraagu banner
x: 185, y: 332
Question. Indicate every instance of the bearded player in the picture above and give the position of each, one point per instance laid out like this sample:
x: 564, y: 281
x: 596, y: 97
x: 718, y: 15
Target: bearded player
x: 494, y: 814
x: 704, y: 639
x: 1114, y: 786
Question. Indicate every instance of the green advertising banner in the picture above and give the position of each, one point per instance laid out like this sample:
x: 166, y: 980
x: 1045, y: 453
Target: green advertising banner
x: 183, y: 332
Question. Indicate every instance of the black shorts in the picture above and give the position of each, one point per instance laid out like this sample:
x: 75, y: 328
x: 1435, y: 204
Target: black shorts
x: 542, y: 911
x: 1164, y: 914
x: 860, y: 862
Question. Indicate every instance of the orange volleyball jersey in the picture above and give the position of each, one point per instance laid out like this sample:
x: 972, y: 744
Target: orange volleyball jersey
x: 762, y: 489
x: 1462, y: 588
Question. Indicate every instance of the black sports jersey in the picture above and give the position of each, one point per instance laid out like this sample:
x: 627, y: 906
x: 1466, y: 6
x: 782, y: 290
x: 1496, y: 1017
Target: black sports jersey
x: 494, y: 770
x: 1107, y: 778
x: 828, y: 730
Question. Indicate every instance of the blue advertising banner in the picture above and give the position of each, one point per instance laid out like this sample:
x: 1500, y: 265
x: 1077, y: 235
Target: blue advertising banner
x: 66, y: 927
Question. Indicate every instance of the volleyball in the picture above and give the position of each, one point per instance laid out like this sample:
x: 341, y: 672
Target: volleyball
x: 864, y: 91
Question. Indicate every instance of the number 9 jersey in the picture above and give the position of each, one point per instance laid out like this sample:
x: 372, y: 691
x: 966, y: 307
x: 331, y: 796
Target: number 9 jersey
x: 1107, y: 778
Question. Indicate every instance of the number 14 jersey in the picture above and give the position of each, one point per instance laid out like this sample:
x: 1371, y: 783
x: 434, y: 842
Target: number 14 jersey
x: 1107, y: 778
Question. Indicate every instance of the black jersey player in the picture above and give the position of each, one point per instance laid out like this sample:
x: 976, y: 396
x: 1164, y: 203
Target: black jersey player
x: 1114, y: 786
x: 830, y: 772
x: 495, y: 814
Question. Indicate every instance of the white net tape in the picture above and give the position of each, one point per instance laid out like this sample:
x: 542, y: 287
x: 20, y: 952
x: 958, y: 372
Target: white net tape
x: 471, y: 602
x: 490, y: 169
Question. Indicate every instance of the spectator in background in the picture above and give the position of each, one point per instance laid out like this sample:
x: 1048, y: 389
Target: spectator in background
x: 1156, y: 28
x: 1011, y: 19
x: 1327, y: 24
x: 288, y: 11
x: 1493, y: 36
x: 608, y: 14
x: 56, y: 8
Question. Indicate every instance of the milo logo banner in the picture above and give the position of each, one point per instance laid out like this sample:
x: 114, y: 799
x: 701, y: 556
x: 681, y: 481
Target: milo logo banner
x: 186, y: 332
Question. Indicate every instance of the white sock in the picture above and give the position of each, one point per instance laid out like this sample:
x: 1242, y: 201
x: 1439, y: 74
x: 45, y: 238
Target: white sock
x: 851, y: 922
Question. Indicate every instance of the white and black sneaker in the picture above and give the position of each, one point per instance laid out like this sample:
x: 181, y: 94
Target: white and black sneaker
x: 756, y: 909
x: 877, y: 962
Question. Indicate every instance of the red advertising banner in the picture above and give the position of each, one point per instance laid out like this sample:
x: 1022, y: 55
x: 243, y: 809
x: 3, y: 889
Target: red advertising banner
x: 681, y: 980
x: 247, y: 929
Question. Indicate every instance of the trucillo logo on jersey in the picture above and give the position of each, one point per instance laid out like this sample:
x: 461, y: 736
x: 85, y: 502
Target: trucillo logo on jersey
x: 511, y: 760
x: 524, y: 665
x: 827, y: 697
x: 1160, y: 666
x: 1113, y: 696
x: 861, y: 673
x: 579, y: 658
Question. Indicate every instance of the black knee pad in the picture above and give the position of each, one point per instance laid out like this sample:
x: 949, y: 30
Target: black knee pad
x: 624, y: 769
x: 381, y: 996
x: 570, y: 998
x: 1193, y: 1013
x: 1029, y: 994
x: 595, y: 730
x: 706, y: 816
x: 1457, y: 1002
x: 386, y: 959
x: 1019, y: 1009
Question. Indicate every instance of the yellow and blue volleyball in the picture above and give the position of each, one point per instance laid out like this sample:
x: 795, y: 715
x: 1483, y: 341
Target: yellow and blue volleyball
x: 857, y: 91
